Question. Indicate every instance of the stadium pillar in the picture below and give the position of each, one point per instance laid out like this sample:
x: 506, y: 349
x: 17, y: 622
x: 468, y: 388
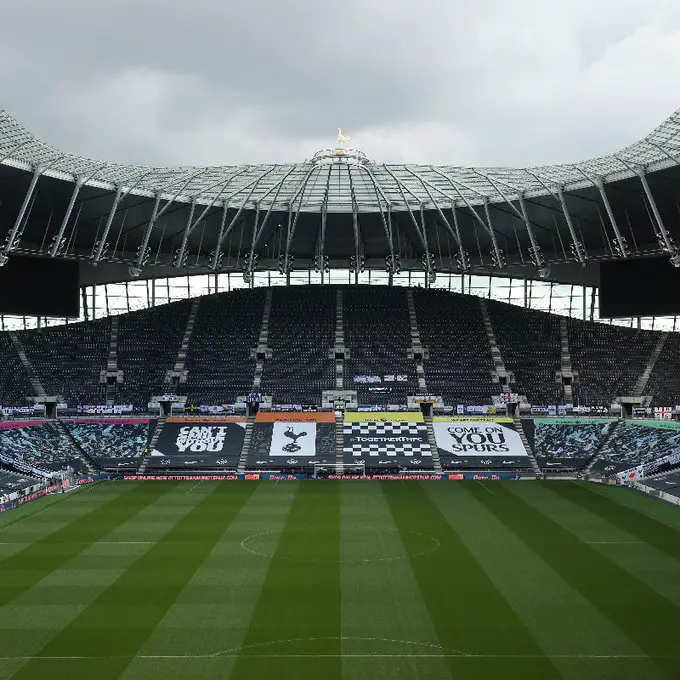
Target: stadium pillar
x: 621, y: 242
x: 665, y: 240
x: 15, y: 231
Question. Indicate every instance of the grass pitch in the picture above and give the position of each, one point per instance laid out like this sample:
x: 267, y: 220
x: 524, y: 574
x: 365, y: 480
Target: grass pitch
x: 330, y: 580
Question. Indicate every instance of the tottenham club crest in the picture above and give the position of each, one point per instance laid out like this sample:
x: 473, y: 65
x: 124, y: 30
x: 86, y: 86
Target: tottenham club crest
x: 293, y: 446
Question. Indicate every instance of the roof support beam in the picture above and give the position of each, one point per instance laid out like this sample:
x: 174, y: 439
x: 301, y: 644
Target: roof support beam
x: 220, y: 236
x: 180, y: 259
x: 463, y: 261
x: 537, y: 255
x: 355, y: 232
x: 665, y: 239
x: 57, y: 243
x: 98, y: 249
x: 80, y: 182
x: 141, y: 251
x: 579, y: 248
x: 292, y: 222
x: 497, y: 255
x: 456, y: 233
x: 322, y: 236
x: 10, y: 241
x: 622, y: 247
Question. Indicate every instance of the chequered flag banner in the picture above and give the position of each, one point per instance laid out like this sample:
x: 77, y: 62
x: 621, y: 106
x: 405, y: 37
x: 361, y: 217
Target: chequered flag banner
x: 385, y: 439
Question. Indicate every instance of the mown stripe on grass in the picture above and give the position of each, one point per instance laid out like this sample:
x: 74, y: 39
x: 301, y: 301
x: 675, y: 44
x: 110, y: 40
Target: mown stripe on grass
x: 22, y: 570
x: 663, y: 537
x: 560, y: 618
x: 647, y: 618
x: 114, y: 627
x: 299, y: 608
x: 469, y: 614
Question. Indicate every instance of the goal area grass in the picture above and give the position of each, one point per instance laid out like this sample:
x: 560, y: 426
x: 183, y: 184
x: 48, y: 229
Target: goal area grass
x: 351, y: 580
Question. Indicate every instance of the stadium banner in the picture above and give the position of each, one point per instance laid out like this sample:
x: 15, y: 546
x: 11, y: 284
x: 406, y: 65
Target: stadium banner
x: 384, y: 416
x: 390, y: 443
x: 474, y: 419
x: 479, y: 444
x: 572, y: 421
x: 295, y: 417
x: 197, y: 420
x: 33, y: 496
x: 490, y: 476
x: 110, y: 421
x: 183, y: 477
x: 199, y: 443
x: 15, y: 424
x: 656, y: 424
x: 105, y: 409
x: 277, y: 444
x: 36, y: 409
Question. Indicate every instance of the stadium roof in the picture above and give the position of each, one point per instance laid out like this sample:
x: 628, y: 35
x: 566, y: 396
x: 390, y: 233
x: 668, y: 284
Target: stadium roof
x: 64, y: 205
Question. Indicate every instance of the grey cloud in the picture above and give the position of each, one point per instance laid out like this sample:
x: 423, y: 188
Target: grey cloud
x: 471, y: 82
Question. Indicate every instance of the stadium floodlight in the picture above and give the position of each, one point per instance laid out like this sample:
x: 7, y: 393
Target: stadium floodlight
x: 675, y: 260
x: 3, y: 259
x: 134, y: 272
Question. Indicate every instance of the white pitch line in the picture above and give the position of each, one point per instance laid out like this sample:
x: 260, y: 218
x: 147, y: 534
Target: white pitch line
x: 487, y: 489
x: 186, y: 493
x: 613, y: 542
x: 351, y: 656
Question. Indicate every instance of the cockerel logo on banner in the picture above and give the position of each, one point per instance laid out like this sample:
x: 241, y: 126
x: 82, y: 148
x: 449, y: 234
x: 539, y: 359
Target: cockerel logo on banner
x: 298, y: 439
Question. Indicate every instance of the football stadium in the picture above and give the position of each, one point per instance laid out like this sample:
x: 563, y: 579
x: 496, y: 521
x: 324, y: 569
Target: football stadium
x: 339, y: 418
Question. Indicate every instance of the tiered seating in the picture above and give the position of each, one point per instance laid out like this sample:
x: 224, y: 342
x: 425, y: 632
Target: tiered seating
x: 148, y: 342
x: 668, y: 483
x: 377, y: 333
x: 226, y: 330
x: 664, y: 381
x: 44, y: 446
x: 529, y: 342
x: 301, y: 333
x: 68, y: 359
x: 14, y: 383
x: 608, y: 360
x: 111, y: 445
x: 11, y: 482
x: 572, y: 445
x: 635, y: 444
x: 452, y: 329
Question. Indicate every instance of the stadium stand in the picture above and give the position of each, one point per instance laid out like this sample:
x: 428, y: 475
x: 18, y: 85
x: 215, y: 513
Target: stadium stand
x: 219, y: 361
x: 300, y: 368
x: 534, y: 371
x: 68, y: 359
x: 14, y: 383
x: 111, y: 445
x: 11, y: 482
x: 664, y: 381
x: 42, y: 445
x: 607, y: 360
x: 558, y: 444
x: 377, y: 333
x: 668, y: 483
x: 452, y: 330
x: 148, y: 341
x: 633, y: 444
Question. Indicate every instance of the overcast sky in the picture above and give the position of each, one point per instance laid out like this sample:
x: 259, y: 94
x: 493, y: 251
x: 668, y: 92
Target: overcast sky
x: 462, y: 82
